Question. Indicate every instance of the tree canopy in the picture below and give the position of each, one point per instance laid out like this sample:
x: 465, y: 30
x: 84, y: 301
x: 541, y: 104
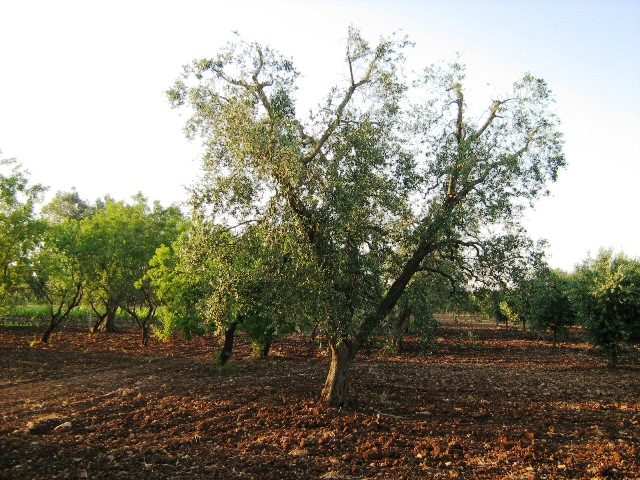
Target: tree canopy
x: 20, y: 229
x: 385, y: 178
x: 607, y: 296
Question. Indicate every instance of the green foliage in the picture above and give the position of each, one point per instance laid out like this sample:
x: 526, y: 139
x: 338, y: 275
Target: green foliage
x: 213, y: 277
x: 57, y: 276
x: 29, y: 312
x: 20, y: 230
x: 427, y: 328
x: 118, y: 241
x: 181, y: 287
x: 544, y: 301
x: 386, y: 178
x: 37, y: 315
x: 165, y: 327
x: 607, y: 296
x: 428, y: 293
x: 67, y: 206
x: 507, y: 313
x: 488, y: 301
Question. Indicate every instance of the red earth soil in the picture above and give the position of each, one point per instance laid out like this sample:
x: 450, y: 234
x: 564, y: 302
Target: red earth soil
x: 487, y: 402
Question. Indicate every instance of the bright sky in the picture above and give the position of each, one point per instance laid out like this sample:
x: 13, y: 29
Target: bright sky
x: 82, y: 82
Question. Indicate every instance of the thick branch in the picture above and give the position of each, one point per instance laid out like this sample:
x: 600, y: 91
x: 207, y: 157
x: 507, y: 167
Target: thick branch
x: 340, y: 110
x: 492, y: 115
x: 452, y: 280
x: 460, y: 102
x: 452, y: 187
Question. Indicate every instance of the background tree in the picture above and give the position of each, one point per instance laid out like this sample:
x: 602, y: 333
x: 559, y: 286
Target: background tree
x: 20, y: 230
x: 148, y: 229
x: 543, y: 300
x: 57, y: 276
x: 607, y: 297
x: 181, y: 287
x: 119, y: 240
x: 487, y: 301
x: 67, y: 206
x: 251, y: 281
x: 368, y: 175
x: 428, y: 293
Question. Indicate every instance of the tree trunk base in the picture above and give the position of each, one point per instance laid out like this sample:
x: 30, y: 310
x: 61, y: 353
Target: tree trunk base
x: 227, y: 348
x: 336, y: 388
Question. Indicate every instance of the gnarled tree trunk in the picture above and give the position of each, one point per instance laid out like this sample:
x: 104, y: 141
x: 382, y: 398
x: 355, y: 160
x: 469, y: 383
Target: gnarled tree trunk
x: 336, y: 388
x: 107, y: 321
x: 227, y: 348
x: 401, y: 328
x: 53, y: 324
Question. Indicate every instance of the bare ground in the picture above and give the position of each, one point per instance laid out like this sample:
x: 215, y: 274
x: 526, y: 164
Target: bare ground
x: 487, y: 403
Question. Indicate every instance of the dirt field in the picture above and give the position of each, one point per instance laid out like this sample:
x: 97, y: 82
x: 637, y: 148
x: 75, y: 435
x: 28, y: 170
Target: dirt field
x: 487, y: 403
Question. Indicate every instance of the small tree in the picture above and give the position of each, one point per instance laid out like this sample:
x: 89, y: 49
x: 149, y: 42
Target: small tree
x: 607, y: 296
x: 57, y: 276
x: 431, y: 291
x: 181, y: 288
x: 216, y: 279
x: 20, y: 230
x: 147, y: 230
x: 119, y: 240
x: 257, y: 282
x: 544, y: 301
x: 492, y: 303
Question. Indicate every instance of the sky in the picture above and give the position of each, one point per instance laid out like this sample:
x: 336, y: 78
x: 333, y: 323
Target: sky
x: 82, y: 84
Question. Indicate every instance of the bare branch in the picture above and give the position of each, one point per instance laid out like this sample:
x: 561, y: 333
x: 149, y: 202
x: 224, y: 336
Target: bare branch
x: 460, y: 102
x: 350, y: 68
x: 452, y: 187
x: 340, y: 110
x: 492, y: 115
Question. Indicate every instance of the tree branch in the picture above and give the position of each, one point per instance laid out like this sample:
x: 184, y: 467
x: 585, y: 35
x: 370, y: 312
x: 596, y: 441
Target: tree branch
x: 340, y: 110
x: 452, y: 280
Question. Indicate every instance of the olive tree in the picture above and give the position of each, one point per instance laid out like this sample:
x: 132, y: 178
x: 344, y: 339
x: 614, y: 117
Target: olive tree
x: 20, y: 229
x: 383, y: 172
x: 606, y: 292
x: 543, y: 300
x: 57, y: 276
x: 217, y: 279
x: 118, y: 241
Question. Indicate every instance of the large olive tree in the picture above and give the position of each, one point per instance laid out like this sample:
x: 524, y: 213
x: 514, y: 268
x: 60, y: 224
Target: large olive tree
x: 382, y: 173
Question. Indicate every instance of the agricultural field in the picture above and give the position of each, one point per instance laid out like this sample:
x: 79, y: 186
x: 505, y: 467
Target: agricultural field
x: 485, y: 402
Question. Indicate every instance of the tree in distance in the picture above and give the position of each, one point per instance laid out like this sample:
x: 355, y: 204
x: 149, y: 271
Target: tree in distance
x: 20, y: 230
x: 606, y: 293
x: 543, y: 300
x: 119, y: 240
x: 212, y: 279
x: 57, y: 276
x: 384, y: 178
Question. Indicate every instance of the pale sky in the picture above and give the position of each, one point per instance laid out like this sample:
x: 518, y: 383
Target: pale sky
x: 82, y: 82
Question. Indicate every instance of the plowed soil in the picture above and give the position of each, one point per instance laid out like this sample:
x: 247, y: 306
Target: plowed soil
x: 488, y: 402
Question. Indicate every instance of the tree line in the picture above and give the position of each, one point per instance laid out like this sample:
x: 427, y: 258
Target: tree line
x: 601, y: 295
x: 390, y: 200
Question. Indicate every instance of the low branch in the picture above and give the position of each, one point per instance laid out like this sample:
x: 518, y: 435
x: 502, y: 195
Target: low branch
x: 452, y: 280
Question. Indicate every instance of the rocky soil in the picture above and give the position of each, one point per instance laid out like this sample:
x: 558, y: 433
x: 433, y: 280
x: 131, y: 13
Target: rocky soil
x: 488, y: 402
